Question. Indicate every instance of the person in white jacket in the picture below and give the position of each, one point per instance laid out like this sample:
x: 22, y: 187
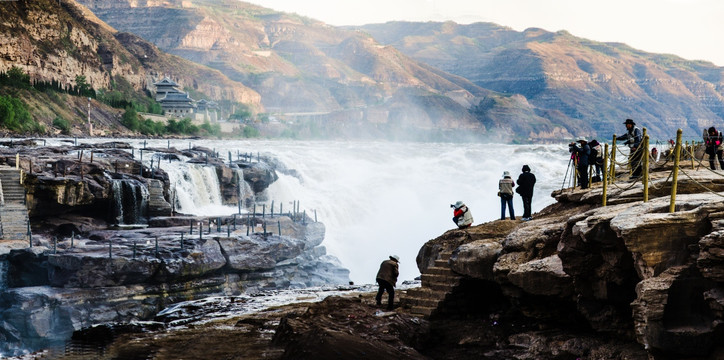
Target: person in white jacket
x: 463, y: 217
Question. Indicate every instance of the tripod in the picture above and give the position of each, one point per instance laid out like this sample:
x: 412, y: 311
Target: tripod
x: 566, y: 175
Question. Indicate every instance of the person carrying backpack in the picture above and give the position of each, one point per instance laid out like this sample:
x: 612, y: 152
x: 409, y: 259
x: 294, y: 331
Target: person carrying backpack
x: 713, y: 142
x: 505, y: 191
x: 583, y: 153
x: 596, y: 159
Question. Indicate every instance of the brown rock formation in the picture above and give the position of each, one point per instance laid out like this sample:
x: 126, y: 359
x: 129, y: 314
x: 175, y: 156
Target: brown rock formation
x: 631, y: 270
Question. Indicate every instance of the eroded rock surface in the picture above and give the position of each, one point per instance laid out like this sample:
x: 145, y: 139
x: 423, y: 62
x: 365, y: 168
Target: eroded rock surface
x: 631, y: 269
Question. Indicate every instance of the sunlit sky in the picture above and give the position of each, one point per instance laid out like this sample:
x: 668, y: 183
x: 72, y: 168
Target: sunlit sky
x: 692, y: 29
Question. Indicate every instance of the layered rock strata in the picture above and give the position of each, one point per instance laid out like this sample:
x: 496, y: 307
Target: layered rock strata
x: 631, y: 271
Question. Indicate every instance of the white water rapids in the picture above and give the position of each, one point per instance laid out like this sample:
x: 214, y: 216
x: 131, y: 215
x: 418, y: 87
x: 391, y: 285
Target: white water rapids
x: 380, y: 198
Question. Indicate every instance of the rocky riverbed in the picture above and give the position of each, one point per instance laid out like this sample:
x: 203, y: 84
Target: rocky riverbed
x: 580, y: 281
x: 106, y: 243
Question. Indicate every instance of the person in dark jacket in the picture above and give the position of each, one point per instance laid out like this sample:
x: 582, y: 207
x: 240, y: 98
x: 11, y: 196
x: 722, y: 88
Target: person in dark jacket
x: 387, y: 279
x: 633, y: 137
x: 582, y: 153
x: 526, y: 181
x: 713, y: 141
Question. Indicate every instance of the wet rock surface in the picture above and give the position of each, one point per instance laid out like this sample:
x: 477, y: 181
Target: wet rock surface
x: 100, y: 257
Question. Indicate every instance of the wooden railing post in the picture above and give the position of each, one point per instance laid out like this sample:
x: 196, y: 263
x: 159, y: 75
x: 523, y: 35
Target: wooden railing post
x: 677, y: 153
x: 645, y: 160
x: 613, y: 159
x: 605, y: 172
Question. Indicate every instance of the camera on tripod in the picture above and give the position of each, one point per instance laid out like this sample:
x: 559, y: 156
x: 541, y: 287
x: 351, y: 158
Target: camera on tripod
x: 571, y: 147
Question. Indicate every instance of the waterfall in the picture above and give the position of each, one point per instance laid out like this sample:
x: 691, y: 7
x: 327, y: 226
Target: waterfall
x: 3, y: 275
x: 245, y: 190
x: 197, y: 189
x: 130, y: 202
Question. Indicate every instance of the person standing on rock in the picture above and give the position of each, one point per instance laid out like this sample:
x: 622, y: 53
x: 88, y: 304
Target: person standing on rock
x: 583, y: 153
x: 505, y: 191
x: 633, y: 137
x: 387, y: 279
x: 526, y: 181
x: 713, y: 142
x: 462, y: 216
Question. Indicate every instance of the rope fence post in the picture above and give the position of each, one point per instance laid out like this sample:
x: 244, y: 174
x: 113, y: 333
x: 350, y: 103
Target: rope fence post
x: 677, y: 153
x: 645, y: 160
x: 605, y: 173
x: 691, y: 153
x: 613, y: 159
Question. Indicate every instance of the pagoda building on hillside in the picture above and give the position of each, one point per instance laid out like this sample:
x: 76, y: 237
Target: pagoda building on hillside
x: 174, y: 102
x: 208, y: 110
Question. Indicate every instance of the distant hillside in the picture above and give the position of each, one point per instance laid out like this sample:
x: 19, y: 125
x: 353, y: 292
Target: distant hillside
x: 586, y: 82
x: 305, y: 69
x: 55, y: 42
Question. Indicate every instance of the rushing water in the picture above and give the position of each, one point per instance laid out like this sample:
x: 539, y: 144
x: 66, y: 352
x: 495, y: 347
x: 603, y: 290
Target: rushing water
x: 376, y: 198
x: 3, y: 275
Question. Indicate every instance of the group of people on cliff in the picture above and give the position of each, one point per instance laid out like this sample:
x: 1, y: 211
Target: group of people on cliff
x: 463, y: 217
x: 583, y: 154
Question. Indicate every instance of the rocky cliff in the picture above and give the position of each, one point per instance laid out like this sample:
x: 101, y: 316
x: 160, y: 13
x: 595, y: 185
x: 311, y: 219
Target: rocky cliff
x: 55, y: 41
x: 301, y: 67
x: 629, y: 272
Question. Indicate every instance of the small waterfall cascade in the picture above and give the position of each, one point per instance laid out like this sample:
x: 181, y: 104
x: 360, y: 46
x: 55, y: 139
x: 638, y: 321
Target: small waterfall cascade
x: 3, y: 275
x: 245, y: 190
x: 130, y: 202
x: 197, y: 188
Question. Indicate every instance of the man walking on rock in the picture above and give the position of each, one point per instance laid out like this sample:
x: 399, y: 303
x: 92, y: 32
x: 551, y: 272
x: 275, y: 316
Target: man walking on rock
x: 387, y: 279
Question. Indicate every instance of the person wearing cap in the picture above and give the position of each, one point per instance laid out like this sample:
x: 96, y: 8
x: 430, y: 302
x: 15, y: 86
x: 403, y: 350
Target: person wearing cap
x: 505, y: 191
x: 582, y: 153
x: 462, y: 216
x: 526, y: 181
x: 387, y: 279
x: 713, y: 143
x: 633, y: 137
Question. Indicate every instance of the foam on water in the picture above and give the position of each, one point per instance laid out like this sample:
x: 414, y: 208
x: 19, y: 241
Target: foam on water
x: 380, y: 198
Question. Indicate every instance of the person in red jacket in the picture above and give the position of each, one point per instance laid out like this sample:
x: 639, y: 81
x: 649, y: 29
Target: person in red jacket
x: 462, y: 217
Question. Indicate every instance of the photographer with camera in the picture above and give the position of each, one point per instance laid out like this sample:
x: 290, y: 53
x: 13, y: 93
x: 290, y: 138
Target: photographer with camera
x: 633, y: 137
x: 463, y: 218
x: 582, y: 154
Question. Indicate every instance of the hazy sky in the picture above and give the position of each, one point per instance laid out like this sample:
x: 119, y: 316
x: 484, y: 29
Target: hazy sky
x: 692, y: 29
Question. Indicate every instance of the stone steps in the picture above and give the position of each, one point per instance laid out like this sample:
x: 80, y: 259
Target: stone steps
x: 437, y: 282
x: 13, y: 213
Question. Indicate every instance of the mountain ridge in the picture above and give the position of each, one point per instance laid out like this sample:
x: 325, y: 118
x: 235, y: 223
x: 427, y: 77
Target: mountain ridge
x: 583, y: 79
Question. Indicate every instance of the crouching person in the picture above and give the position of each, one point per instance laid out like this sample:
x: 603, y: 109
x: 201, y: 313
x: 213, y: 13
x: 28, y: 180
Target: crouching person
x: 462, y: 217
